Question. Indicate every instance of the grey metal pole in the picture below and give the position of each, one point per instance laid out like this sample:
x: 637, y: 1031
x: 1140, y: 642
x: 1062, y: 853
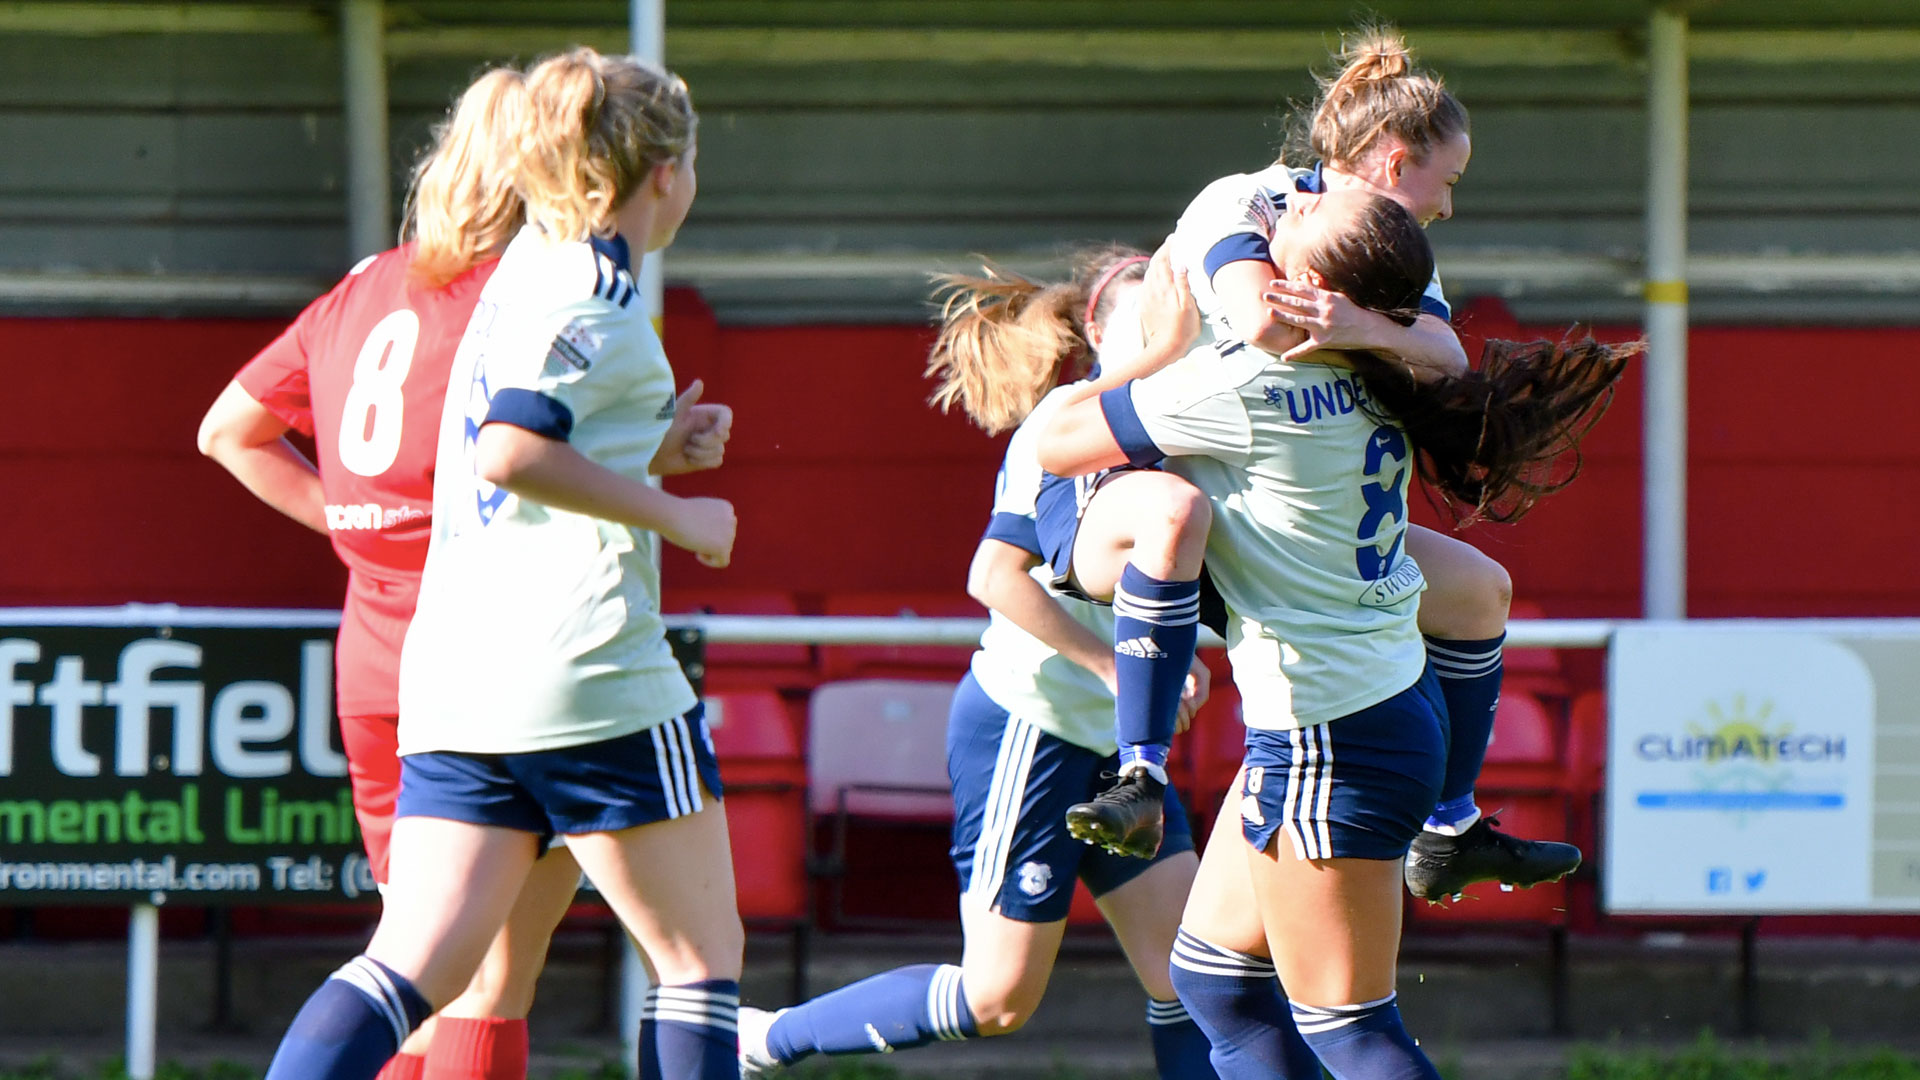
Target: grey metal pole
x: 143, y: 989
x: 1664, y: 582
x: 363, y: 51
x: 647, y: 20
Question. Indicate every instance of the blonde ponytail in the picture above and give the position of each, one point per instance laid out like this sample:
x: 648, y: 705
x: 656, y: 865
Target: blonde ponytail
x: 462, y: 208
x: 1006, y: 340
x: 600, y: 125
x: 1377, y: 92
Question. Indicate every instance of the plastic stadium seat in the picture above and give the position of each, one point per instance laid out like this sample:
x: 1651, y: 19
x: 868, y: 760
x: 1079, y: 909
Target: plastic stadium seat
x: 1587, y: 743
x: 1524, y: 753
x: 1534, y: 671
x: 876, y: 753
x: 1211, y: 751
x: 746, y: 667
x: 766, y: 802
x: 899, y: 661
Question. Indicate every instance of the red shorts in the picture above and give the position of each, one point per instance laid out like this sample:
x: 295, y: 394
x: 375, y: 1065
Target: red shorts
x: 373, y: 764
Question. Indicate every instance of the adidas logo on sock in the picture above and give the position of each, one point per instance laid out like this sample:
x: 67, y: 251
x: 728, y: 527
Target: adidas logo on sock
x: 879, y: 1042
x: 1143, y: 647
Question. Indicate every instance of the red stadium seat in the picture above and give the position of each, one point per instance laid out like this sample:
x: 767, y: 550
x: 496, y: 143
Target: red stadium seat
x: 1534, y: 671
x: 746, y: 667
x: 1524, y: 753
x: 876, y: 753
x: 899, y: 661
x: 766, y: 802
x: 1587, y: 743
x: 1208, y: 756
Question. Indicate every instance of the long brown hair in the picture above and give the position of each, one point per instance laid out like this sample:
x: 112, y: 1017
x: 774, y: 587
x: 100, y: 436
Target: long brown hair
x: 462, y: 208
x: 1006, y: 340
x: 1494, y: 440
x: 1377, y: 92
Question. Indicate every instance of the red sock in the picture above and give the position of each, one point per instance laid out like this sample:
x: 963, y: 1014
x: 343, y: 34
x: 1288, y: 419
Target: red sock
x: 403, y: 1067
x: 467, y: 1049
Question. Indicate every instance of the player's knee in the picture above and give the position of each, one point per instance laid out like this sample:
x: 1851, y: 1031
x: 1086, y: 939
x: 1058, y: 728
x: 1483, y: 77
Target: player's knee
x: 1474, y: 605
x: 1179, y: 518
x: 715, y: 953
x: 1003, y: 1010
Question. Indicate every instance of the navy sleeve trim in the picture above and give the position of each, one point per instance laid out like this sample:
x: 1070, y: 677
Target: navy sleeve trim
x: 1436, y: 307
x: 1016, y: 529
x: 1124, y: 421
x: 1237, y: 248
x: 533, y: 411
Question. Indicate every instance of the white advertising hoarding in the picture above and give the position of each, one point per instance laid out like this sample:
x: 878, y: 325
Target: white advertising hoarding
x: 1762, y: 770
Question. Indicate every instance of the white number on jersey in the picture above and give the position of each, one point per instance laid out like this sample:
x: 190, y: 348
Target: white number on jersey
x: 376, y: 407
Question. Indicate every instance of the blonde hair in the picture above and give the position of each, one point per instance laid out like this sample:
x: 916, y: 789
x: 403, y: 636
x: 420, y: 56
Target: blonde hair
x: 1376, y: 93
x: 462, y: 208
x: 600, y: 125
x: 1006, y: 340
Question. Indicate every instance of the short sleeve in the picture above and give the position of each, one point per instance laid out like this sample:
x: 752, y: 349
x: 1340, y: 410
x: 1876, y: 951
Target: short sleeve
x: 1017, y: 490
x: 1434, y: 300
x: 558, y: 367
x: 277, y: 376
x: 1191, y: 409
x: 1229, y: 221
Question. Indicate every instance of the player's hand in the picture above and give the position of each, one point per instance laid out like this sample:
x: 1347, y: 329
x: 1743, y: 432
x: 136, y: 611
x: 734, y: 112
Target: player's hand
x: 1168, y: 316
x: 1329, y: 319
x: 1193, y: 696
x: 705, y: 527
x: 697, y: 438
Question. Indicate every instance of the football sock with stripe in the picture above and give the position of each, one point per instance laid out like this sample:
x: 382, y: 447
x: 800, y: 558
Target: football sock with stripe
x: 351, y: 1026
x: 477, y: 1048
x: 1156, y: 625
x: 1470, y: 673
x: 894, y: 1010
x: 1236, y: 1001
x: 691, y: 1031
x: 1180, y: 1048
x: 1364, y: 1042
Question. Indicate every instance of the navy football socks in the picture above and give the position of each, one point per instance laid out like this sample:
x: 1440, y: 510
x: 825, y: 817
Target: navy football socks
x: 1236, y: 1000
x: 894, y: 1010
x: 691, y: 1031
x: 351, y: 1026
x: 1156, y: 625
x: 1470, y: 674
x: 1364, y: 1042
x: 1180, y: 1048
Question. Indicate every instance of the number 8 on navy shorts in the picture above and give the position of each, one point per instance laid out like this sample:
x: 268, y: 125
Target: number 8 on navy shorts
x: 1359, y: 787
x: 662, y: 773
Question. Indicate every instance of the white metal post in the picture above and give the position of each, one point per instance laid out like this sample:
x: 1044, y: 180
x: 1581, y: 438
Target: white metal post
x: 143, y: 989
x: 647, y: 23
x: 363, y: 52
x: 1664, y: 588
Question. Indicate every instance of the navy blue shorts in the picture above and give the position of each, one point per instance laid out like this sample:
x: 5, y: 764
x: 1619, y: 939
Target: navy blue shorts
x: 1012, y: 785
x: 638, y: 779
x: 1359, y: 787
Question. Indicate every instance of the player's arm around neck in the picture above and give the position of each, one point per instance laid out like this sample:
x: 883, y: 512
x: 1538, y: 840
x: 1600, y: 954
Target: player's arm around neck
x: 999, y: 579
x: 251, y: 443
x: 555, y: 474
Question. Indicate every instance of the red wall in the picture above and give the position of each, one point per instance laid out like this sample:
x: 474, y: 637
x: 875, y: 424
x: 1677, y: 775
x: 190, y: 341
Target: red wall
x: 845, y: 480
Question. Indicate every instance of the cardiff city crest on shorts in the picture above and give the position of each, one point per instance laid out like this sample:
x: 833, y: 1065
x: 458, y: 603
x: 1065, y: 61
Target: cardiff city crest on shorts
x: 1035, y: 877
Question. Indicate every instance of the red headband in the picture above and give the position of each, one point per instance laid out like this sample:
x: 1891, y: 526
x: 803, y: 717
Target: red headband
x: 1100, y: 283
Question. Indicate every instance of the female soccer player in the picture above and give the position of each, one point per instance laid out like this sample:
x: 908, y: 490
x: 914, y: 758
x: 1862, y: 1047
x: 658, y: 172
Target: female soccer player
x: 1306, y: 466
x: 538, y: 694
x: 1380, y: 125
x: 1031, y: 725
x: 364, y: 371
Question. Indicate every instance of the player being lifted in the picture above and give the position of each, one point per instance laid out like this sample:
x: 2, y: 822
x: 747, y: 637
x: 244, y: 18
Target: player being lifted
x: 538, y: 694
x: 1031, y: 728
x: 363, y: 370
x: 1379, y: 126
x: 1306, y: 464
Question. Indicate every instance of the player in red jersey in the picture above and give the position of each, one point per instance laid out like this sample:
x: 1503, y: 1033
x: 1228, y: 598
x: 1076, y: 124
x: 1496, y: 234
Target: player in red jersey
x: 363, y: 370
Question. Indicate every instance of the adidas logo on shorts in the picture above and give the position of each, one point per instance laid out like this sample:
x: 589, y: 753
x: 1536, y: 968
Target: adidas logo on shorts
x: 1143, y: 647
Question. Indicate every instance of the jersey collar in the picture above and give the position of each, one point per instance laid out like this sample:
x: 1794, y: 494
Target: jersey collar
x: 1313, y: 183
x: 614, y: 247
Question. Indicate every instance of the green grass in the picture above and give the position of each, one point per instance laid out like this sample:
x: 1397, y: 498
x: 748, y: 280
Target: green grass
x: 1706, y: 1059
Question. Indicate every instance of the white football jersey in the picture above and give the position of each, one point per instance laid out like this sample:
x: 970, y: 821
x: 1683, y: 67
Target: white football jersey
x: 1018, y: 671
x: 1232, y: 220
x: 1309, y: 497
x: 539, y: 628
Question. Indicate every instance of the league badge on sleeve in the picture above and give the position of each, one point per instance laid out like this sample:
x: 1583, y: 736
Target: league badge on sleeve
x: 575, y: 346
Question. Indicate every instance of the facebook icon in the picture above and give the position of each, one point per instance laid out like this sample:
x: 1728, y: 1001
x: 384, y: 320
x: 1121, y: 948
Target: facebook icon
x: 1719, y: 880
